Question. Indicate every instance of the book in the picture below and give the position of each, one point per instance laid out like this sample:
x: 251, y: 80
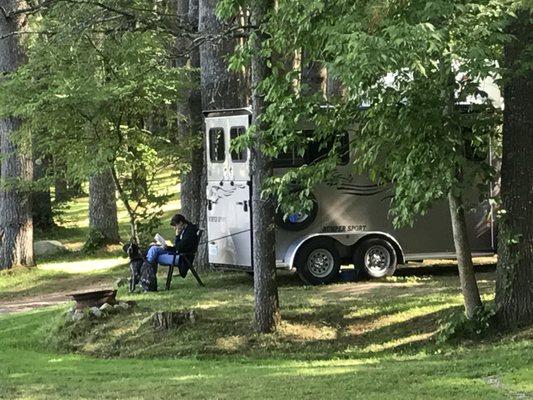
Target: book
x: 160, y: 240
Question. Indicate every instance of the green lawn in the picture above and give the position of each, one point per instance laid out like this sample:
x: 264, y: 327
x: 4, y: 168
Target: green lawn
x: 73, y: 222
x: 356, y: 340
x: 371, y: 340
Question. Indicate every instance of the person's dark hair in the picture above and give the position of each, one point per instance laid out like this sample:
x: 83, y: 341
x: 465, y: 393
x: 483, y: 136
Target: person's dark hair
x: 178, y: 218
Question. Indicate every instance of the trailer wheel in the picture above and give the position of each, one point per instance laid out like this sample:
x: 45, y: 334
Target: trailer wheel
x: 318, y: 262
x: 377, y: 257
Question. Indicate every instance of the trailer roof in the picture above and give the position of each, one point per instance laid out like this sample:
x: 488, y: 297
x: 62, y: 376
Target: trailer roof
x: 227, y: 112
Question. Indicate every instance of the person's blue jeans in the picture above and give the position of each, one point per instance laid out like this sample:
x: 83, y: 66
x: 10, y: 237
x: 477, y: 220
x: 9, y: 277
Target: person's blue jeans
x: 161, y: 256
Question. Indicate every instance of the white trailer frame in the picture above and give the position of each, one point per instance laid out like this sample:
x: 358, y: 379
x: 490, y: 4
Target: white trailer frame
x: 350, y: 224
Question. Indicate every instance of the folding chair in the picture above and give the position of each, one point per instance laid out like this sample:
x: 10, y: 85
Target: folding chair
x: 186, y: 258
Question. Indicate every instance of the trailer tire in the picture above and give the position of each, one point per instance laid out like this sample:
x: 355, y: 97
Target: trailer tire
x: 376, y: 257
x: 318, y: 262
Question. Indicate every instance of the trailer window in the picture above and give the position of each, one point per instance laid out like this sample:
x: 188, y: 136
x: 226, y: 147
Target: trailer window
x: 318, y: 151
x: 288, y: 159
x: 344, y: 148
x: 217, y: 145
x: 238, y: 156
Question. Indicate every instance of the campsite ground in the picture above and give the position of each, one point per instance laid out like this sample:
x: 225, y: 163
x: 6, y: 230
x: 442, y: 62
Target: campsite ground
x: 370, y: 339
x: 367, y: 339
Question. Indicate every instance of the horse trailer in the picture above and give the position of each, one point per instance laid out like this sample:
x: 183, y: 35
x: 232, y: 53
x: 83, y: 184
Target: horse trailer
x: 349, y: 223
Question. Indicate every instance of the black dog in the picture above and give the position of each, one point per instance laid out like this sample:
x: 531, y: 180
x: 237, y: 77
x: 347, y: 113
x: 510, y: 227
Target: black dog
x: 136, y: 261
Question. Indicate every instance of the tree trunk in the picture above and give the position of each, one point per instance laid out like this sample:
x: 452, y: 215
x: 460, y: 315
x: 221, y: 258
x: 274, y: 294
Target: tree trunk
x: 16, y: 227
x: 313, y: 76
x: 267, y: 314
x: 333, y: 87
x: 75, y: 189
x: 103, y: 206
x: 60, y: 182
x: 41, y: 199
x: 193, y: 183
x: 467, y: 276
x: 514, y: 283
x: 220, y: 87
x: 166, y: 320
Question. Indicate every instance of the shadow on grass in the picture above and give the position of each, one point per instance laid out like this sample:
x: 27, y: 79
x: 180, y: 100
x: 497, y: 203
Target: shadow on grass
x: 440, y: 270
x: 427, y: 377
x: 373, y: 375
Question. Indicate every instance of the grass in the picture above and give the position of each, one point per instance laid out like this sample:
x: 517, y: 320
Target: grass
x: 73, y: 223
x: 369, y: 340
x: 353, y: 340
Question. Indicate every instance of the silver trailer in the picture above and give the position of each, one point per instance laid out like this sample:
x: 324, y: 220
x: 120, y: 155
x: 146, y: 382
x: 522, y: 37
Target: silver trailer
x: 349, y: 223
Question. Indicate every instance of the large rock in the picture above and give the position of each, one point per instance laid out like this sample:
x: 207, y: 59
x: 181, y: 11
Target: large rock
x: 48, y: 247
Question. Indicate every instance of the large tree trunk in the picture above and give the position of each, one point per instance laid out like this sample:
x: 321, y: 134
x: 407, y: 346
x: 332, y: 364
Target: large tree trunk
x: 467, y: 276
x: 41, y: 199
x: 267, y: 314
x: 220, y: 89
x: 514, y: 284
x: 16, y: 228
x: 193, y: 183
x: 103, y: 206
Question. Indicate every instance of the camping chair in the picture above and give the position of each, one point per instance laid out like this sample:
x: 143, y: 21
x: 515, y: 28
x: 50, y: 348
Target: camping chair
x: 186, y: 258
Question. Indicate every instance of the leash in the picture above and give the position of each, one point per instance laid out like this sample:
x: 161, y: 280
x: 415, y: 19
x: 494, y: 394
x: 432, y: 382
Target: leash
x: 224, y: 237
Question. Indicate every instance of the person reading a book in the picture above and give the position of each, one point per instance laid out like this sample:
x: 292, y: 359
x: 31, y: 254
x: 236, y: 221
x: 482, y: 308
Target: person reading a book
x: 186, y: 241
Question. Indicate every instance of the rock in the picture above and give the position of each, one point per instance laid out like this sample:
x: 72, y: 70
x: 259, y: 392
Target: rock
x: 96, y: 312
x: 106, y: 307
x: 123, y: 305
x: 48, y: 247
x: 77, y: 316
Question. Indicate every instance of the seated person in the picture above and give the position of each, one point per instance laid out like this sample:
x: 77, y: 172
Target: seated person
x: 186, y: 242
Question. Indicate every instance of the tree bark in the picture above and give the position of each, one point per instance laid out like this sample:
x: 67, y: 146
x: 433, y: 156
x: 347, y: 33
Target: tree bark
x: 16, y: 227
x: 221, y: 88
x: 467, y: 276
x: 313, y: 76
x: 514, y: 283
x: 60, y: 182
x: 103, y: 206
x: 267, y: 315
x: 41, y: 199
x: 75, y: 189
x: 333, y: 87
x: 193, y: 183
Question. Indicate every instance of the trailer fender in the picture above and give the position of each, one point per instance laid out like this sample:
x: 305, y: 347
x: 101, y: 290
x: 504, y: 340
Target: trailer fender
x: 344, y: 239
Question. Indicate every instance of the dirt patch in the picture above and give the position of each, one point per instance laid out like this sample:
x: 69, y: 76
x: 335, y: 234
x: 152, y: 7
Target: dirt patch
x: 45, y: 300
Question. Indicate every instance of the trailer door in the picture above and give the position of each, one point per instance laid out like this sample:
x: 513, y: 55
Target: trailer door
x: 228, y: 195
